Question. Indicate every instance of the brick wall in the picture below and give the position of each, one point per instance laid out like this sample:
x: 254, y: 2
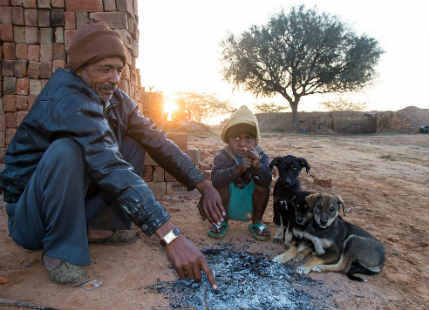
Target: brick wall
x: 34, y: 37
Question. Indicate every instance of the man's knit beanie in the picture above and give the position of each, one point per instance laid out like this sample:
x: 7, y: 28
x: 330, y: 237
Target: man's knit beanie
x: 93, y: 42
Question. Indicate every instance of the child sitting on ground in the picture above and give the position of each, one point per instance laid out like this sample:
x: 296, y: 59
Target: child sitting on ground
x: 242, y: 175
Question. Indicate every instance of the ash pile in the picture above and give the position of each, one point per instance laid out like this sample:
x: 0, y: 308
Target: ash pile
x: 246, y: 281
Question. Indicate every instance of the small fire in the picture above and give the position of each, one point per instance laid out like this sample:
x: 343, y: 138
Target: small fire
x: 169, y: 108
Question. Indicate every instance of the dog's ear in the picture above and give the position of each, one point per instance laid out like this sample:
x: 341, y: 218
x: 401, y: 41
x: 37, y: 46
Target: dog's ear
x: 341, y: 204
x: 311, y: 199
x: 275, y: 162
x: 303, y: 162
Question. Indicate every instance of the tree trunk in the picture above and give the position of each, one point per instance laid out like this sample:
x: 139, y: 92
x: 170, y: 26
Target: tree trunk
x: 295, y: 116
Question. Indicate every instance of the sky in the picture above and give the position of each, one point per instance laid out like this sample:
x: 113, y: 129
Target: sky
x: 179, y: 48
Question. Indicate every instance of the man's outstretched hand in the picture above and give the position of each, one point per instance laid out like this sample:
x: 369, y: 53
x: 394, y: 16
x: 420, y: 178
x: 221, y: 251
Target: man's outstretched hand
x: 188, y: 261
x: 210, y: 205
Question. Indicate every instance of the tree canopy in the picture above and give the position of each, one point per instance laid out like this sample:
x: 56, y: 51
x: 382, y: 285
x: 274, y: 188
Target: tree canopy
x: 297, y: 54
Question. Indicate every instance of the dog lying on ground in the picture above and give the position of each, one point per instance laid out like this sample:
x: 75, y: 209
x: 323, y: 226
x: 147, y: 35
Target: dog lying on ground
x: 285, y: 188
x: 339, y: 245
x: 299, y: 248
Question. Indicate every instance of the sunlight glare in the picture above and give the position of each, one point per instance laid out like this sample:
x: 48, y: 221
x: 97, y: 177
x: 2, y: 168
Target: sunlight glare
x: 169, y: 107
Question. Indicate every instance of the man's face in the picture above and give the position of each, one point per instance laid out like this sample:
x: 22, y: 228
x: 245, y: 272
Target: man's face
x: 103, y: 76
x: 242, y: 143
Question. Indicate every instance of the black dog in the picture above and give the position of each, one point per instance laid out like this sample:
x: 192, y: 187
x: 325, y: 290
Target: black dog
x: 285, y: 189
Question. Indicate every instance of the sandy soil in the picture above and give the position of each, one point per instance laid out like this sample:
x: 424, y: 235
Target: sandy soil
x: 383, y: 180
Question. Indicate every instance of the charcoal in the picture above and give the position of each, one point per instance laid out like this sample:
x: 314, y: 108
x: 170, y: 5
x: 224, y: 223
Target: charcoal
x: 246, y: 281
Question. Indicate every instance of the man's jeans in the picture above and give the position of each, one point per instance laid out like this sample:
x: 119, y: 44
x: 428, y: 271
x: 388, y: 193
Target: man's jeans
x: 59, y: 203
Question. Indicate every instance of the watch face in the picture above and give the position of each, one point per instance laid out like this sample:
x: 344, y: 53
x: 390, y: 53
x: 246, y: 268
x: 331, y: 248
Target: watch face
x: 170, y: 236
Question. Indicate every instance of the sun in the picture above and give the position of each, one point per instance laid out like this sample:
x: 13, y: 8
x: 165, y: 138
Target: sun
x: 169, y: 107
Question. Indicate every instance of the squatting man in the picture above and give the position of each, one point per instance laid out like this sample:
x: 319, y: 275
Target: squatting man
x: 73, y: 169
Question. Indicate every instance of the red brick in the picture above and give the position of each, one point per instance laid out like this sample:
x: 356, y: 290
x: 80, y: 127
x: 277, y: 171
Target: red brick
x: 46, y: 52
x: 16, y: 2
x: 30, y: 17
x: 21, y: 51
x: 57, y: 3
x: 57, y: 17
x: 9, y: 103
x: 158, y: 174
x: 59, y: 35
x: 29, y: 4
x: 6, y: 15
x: 31, y: 99
x: 70, y: 20
x: 84, y: 5
x: 159, y: 189
x: 9, y: 85
x: 33, y: 70
x: 2, y: 140
x: 148, y: 173
x: 19, y: 34
x: 116, y: 20
x: 34, y: 52
x: 9, y: 51
x: 10, y: 133
x: 44, y: 4
x: 59, y: 51
x: 44, y: 18
x: 45, y: 70
x: 35, y: 87
x: 21, y: 103
x: 20, y: 68
x: 8, y: 68
x: 44, y: 82
x: 6, y: 32
x: 109, y: 5
x: 18, y: 15
x: 4, y: 2
x: 125, y: 6
x: 46, y: 35
x: 31, y: 35
x: 22, y: 86
x: 82, y: 18
x: 58, y: 64
x: 20, y: 116
x: 68, y: 36
x: 11, y: 120
x: 169, y: 177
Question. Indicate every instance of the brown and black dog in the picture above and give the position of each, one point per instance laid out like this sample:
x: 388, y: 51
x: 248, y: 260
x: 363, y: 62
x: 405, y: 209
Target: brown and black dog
x: 339, y: 245
x: 299, y: 248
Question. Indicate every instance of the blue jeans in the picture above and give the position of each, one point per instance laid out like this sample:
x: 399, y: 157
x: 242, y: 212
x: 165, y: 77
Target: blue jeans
x: 59, y: 203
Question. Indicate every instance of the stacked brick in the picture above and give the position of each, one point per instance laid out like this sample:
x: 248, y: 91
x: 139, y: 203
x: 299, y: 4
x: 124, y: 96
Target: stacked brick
x: 158, y: 179
x: 34, y: 37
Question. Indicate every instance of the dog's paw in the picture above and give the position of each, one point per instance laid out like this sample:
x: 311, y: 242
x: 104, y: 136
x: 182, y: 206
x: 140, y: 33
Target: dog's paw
x: 303, y: 270
x: 318, y: 268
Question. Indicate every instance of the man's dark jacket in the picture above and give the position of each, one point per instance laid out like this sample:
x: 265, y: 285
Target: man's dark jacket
x: 67, y: 107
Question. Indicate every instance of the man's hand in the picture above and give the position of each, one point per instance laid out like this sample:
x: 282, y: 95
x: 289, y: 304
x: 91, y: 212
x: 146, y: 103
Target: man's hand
x: 188, y: 261
x: 210, y: 205
x: 246, y: 163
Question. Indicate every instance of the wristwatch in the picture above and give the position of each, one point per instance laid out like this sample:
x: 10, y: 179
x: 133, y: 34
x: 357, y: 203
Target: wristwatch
x: 170, y: 237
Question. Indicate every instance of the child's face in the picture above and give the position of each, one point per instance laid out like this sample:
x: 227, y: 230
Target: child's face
x: 242, y: 143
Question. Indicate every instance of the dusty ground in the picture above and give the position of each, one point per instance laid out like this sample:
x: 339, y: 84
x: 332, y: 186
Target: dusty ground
x: 383, y: 180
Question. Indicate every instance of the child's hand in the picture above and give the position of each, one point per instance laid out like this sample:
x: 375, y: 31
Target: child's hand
x: 245, y: 164
x: 254, y: 157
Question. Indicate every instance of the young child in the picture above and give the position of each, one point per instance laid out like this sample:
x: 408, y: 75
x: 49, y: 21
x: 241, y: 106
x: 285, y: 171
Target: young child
x: 242, y: 175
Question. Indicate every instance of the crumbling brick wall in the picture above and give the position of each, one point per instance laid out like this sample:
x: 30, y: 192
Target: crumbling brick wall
x: 34, y: 37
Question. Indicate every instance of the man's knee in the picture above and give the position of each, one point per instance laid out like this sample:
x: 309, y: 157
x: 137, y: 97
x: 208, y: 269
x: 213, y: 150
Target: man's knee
x: 65, y: 150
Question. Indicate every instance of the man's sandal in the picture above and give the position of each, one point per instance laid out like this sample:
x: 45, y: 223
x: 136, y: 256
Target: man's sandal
x: 218, y: 233
x: 259, y: 231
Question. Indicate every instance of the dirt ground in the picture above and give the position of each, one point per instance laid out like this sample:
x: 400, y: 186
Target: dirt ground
x: 383, y: 180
